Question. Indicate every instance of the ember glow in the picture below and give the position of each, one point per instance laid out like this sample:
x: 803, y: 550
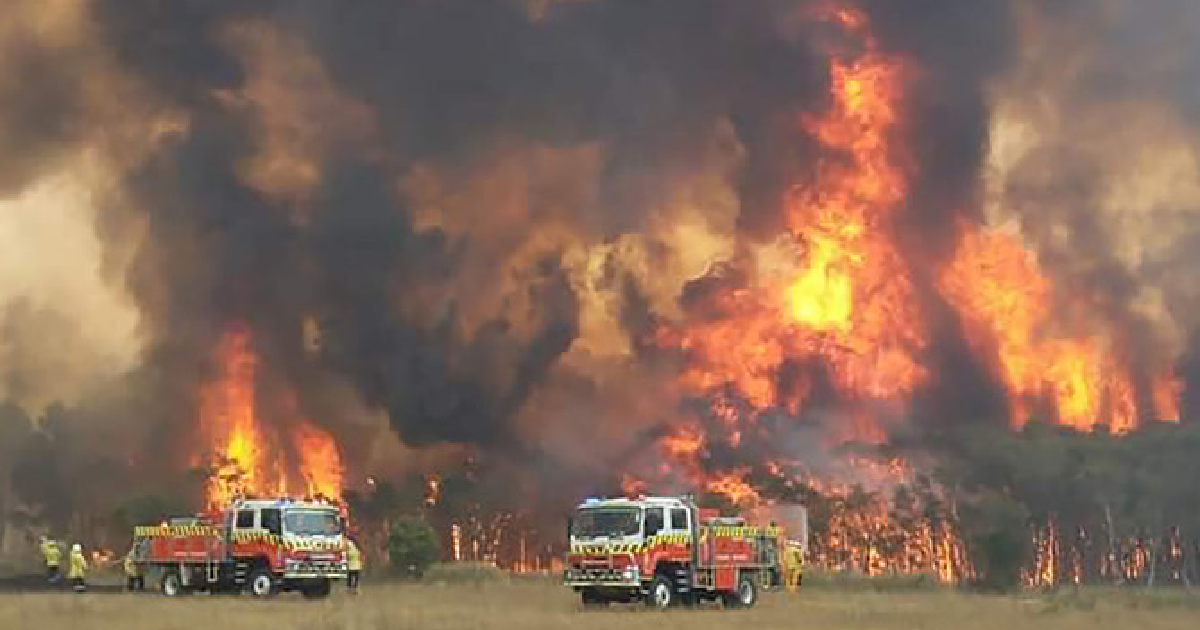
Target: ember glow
x: 247, y: 460
x: 850, y: 307
x: 845, y: 307
x: 760, y: 252
x: 848, y: 312
x: 1006, y: 302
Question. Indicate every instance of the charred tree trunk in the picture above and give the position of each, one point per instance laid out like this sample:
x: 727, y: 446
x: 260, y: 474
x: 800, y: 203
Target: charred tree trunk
x: 1185, y: 568
x: 1153, y: 551
x: 1114, y: 550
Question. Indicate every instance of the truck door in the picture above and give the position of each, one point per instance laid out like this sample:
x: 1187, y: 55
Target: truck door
x: 680, y: 529
x: 679, y: 523
x: 241, y: 534
x: 271, y: 521
x: 244, y: 521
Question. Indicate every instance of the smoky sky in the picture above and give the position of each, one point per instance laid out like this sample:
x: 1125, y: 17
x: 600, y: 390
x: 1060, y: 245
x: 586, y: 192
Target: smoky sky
x: 445, y: 81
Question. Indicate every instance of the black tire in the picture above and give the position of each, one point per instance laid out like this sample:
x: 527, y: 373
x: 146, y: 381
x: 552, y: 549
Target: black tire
x: 592, y: 598
x: 662, y: 593
x: 262, y: 583
x: 745, y: 594
x: 171, y: 584
x: 225, y: 589
x: 318, y: 590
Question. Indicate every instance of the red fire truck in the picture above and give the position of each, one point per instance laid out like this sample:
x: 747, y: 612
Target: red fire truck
x: 667, y: 551
x: 264, y: 546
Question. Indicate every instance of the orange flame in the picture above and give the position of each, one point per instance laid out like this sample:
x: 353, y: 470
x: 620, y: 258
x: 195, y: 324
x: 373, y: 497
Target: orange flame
x: 227, y: 415
x: 734, y: 487
x: 247, y: 461
x: 849, y: 305
x: 685, y: 444
x: 320, y: 462
x: 1005, y: 301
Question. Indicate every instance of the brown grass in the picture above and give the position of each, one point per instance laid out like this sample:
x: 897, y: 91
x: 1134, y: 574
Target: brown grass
x: 536, y: 604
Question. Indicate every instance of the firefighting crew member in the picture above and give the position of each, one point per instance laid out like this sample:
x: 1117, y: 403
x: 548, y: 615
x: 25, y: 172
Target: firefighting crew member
x: 354, y: 565
x: 52, y: 557
x: 793, y: 565
x: 134, y: 580
x: 78, y: 570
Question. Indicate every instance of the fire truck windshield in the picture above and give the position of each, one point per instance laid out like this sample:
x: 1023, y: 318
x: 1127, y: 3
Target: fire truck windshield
x: 606, y: 521
x: 311, y: 523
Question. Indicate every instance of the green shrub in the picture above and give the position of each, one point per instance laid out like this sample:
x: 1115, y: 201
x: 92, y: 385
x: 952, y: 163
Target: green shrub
x: 412, y: 546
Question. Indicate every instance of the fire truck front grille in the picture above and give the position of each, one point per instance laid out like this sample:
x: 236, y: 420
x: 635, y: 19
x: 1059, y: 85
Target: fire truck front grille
x: 315, y: 569
x: 601, y: 575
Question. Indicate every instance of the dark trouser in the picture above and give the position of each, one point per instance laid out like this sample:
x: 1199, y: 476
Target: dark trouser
x: 52, y: 572
x: 352, y: 580
x: 135, y: 583
x: 77, y: 585
x: 794, y: 576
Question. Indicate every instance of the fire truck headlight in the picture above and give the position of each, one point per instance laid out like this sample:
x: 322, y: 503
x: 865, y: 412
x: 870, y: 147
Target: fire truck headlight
x: 630, y: 573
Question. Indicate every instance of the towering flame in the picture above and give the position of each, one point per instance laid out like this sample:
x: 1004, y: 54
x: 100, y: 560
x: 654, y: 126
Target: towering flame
x: 1007, y: 303
x: 851, y: 297
x: 320, y: 462
x: 844, y: 315
x: 848, y: 308
x: 1004, y: 300
x: 248, y: 458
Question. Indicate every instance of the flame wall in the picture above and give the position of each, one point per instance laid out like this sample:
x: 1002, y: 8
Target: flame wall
x: 596, y: 237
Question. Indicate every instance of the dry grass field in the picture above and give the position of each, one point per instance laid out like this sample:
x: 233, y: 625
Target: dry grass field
x: 536, y: 605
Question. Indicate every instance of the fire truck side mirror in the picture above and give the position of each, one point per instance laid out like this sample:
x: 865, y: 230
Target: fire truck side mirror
x: 570, y: 526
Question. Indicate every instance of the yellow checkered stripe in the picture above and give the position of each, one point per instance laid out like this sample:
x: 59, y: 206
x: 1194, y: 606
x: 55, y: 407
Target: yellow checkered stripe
x: 159, y: 531
x: 310, y: 545
x: 255, y: 537
x: 661, y: 540
x: 743, y: 532
x: 291, y: 544
x: 607, y: 549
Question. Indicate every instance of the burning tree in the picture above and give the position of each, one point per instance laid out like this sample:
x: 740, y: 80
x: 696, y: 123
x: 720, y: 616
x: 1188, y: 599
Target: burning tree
x: 803, y: 250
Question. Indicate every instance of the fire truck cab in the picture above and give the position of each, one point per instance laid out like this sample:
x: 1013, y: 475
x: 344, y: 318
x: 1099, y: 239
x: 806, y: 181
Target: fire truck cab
x: 666, y: 551
x: 264, y: 546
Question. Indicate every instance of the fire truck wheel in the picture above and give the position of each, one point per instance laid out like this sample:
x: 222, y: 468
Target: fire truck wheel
x: 317, y: 590
x: 263, y: 583
x: 662, y: 593
x: 592, y: 598
x: 745, y: 596
x: 172, y: 584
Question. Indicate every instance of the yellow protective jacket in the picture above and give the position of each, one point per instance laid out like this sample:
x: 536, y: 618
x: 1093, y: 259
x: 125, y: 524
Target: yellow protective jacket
x: 50, y: 553
x: 354, y: 561
x: 793, y: 558
x: 131, y: 568
x: 79, y: 566
x: 792, y: 565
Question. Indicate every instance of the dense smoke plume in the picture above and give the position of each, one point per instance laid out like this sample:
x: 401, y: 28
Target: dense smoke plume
x: 463, y: 227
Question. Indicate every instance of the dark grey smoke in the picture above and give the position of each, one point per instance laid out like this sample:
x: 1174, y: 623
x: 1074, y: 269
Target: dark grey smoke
x: 959, y: 47
x: 42, y: 114
x: 436, y: 383
x: 446, y: 80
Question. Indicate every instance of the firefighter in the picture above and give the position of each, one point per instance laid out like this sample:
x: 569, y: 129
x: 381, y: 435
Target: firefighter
x: 78, y: 570
x: 793, y: 565
x: 134, y: 580
x: 51, y: 555
x: 354, y: 565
